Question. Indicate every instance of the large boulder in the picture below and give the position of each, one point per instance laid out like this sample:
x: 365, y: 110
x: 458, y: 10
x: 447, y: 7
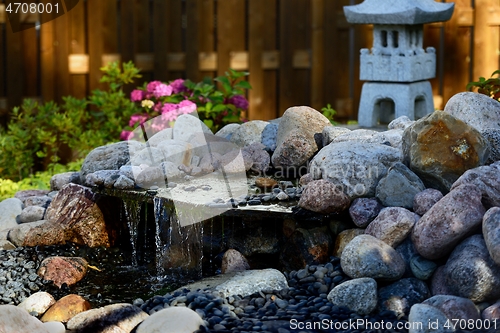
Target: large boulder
x: 471, y: 273
x: 477, y: 110
x: 14, y: 319
x: 187, y: 125
x: 439, y: 148
x: 359, y: 295
x: 355, y: 167
x: 73, y: 216
x: 296, y: 141
x: 109, y: 157
x: 66, y: 308
x: 448, y: 222
x: 367, y: 256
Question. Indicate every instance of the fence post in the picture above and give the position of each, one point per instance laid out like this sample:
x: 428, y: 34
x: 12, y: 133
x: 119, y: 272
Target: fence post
x: 486, y: 37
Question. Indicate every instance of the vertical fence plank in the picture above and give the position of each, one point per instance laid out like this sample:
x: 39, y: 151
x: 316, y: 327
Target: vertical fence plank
x: 230, y: 31
x: 61, y: 52
x: 294, y: 36
x: 457, y: 51
x: 317, y: 63
x: 30, y: 61
x: 193, y: 14
x: 76, y: 20
x: 142, y: 37
x: 95, y: 43
x: 47, y: 64
x: 256, y: 47
x: 14, y: 67
x: 127, y: 30
x: 486, y: 39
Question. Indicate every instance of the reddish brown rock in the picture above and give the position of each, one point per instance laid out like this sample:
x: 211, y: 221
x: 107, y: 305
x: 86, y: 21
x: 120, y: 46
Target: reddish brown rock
x: 306, y: 247
x: 364, y: 210
x: 63, y: 270
x: 73, y: 216
x: 439, y: 148
x: 487, y: 179
x: 323, y: 197
x: 234, y: 261
x: 66, y: 308
x: 491, y: 233
x: 424, y: 200
x: 392, y: 225
x: 448, y: 222
x: 265, y: 183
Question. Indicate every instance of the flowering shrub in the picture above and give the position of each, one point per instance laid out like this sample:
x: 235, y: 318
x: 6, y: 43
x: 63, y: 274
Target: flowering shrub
x: 165, y: 102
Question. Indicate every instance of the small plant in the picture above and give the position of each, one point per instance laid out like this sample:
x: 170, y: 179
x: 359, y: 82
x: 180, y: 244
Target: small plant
x: 329, y: 113
x: 216, y: 107
x: 489, y: 87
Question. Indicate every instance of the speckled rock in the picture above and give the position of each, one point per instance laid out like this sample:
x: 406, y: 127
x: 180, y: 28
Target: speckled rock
x: 122, y: 315
x: 251, y: 281
x: 258, y: 157
x: 18, y: 234
x: 234, y: 261
x: 438, y: 282
x: 392, y: 225
x: 269, y: 136
x: 402, y: 122
x: 364, y: 210
x: 109, y: 157
x: 356, y: 167
x: 492, y: 312
x: 487, y: 179
x: 477, y: 110
x: 359, y: 295
x: 63, y: 270
x: 172, y: 320
x: 401, y: 295
x: 424, y: 200
x: 66, y: 308
x: 331, y: 132
x: 343, y: 238
x: 492, y: 135
x: 399, y: 187
x: 440, y: 148
x: 248, y: 133
x: 186, y: 125
x: 227, y: 131
x: 491, y: 233
x: 391, y: 137
x: 454, y: 307
x: 448, y: 222
x: 407, y: 251
x: 421, y: 267
x: 367, y: 256
x: 9, y: 210
x: 31, y: 214
x: 295, y: 142
x: 323, y: 197
x: 124, y: 183
x: 59, y: 180
x: 471, y: 273
x: 422, y: 313
x: 38, y: 302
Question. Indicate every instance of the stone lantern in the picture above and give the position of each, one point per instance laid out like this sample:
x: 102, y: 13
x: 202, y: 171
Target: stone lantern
x: 397, y: 68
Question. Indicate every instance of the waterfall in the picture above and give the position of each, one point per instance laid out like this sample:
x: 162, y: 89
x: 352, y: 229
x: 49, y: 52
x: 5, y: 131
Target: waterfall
x: 132, y: 210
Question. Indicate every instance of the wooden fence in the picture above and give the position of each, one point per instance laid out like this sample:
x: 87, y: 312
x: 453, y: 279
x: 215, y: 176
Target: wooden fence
x: 298, y: 52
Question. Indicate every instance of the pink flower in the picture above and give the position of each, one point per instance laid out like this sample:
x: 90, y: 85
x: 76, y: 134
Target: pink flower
x: 158, y: 106
x: 159, y: 123
x: 126, y: 135
x: 178, y: 86
x: 186, y: 106
x: 137, y: 118
x: 168, y: 108
x: 136, y: 95
x: 162, y: 90
x: 239, y: 101
x: 152, y: 86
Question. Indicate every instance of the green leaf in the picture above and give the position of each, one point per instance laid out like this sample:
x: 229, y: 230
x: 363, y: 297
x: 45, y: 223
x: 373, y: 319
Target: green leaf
x: 243, y: 85
x: 208, y: 122
x: 226, y: 84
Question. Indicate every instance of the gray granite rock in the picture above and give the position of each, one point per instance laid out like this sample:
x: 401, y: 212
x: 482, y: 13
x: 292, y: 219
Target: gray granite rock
x: 164, y: 134
x: 448, y: 222
x: 269, y: 136
x: 454, y: 307
x: 59, y: 180
x: 424, y: 200
x: 17, y: 234
x: 9, y: 210
x: 171, y: 320
x: 392, y: 225
x: 234, y: 261
x: 471, y: 273
x: 401, y: 295
x: 186, y: 125
x: 367, y: 256
x: 477, y: 110
x: 492, y: 135
x: 421, y: 267
x: 248, y: 133
x: 124, y: 183
x: 258, y: 158
x: 401, y: 123
x: 359, y: 295
x: 252, y: 281
x: 331, y: 132
x: 31, y: 214
x: 42, y: 201
x: 355, y: 166
x: 323, y: 197
x: 399, y: 187
x: 364, y: 210
x: 227, y: 131
x: 109, y: 157
x: 491, y: 233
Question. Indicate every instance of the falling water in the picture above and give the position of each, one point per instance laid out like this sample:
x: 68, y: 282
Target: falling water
x: 133, y: 216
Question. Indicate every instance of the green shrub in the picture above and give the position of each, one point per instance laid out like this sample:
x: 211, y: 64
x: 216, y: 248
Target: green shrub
x: 489, y: 87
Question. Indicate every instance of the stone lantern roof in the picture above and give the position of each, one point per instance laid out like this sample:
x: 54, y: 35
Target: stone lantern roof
x: 398, y: 12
